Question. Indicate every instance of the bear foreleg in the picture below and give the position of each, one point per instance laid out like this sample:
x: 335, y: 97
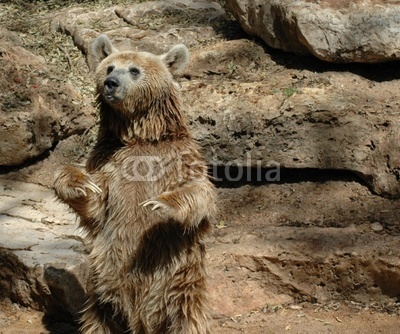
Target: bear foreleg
x: 188, y: 204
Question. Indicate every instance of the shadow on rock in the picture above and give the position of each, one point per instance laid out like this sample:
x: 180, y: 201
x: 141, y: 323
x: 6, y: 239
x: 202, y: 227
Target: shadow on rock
x: 69, y: 297
x: 378, y: 72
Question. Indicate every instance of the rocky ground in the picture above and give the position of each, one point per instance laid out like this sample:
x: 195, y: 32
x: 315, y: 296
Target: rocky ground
x: 316, y: 251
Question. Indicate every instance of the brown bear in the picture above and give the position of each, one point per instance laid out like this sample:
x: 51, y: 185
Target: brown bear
x: 144, y: 199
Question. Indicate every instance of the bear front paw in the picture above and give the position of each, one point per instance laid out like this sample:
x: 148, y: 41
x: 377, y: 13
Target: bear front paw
x: 164, y: 208
x: 71, y: 182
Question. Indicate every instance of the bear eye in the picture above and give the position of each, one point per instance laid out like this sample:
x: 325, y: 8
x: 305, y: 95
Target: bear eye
x: 110, y: 69
x: 134, y: 71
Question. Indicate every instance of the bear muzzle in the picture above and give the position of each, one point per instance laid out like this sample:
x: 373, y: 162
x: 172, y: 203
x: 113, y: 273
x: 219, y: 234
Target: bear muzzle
x: 111, y: 85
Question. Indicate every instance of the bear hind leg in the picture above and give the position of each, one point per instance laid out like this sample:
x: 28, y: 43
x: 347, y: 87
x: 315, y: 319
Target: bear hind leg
x: 188, y: 315
x: 101, y: 318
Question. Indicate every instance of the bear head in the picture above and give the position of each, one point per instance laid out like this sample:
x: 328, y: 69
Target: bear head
x: 138, y: 88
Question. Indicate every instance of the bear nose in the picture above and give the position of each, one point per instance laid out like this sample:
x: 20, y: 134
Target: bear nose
x: 111, y: 84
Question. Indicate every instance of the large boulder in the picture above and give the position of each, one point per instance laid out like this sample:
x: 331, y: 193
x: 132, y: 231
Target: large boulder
x: 36, y: 111
x: 335, y: 31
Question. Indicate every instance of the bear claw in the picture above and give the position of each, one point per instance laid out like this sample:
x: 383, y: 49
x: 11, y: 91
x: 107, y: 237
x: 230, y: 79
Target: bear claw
x: 156, y: 204
x: 82, y: 190
x: 94, y: 187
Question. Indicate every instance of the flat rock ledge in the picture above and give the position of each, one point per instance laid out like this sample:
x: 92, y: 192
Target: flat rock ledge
x: 42, y: 256
x: 335, y: 31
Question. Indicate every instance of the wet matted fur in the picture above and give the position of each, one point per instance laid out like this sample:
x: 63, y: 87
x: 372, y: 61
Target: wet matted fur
x: 144, y: 199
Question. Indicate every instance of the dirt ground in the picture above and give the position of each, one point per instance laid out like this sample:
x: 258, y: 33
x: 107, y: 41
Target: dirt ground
x: 298, y: 319
x: 301, y: 200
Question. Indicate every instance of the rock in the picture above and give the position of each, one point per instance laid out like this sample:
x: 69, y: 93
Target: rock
x: 41, y: 255
x: 376, y: 227
x: 35, y: 110
x: 314, y: 264
x: 326, y: 125
x: 334, y: 31
x: 132, y: 27
x: 197, y: 11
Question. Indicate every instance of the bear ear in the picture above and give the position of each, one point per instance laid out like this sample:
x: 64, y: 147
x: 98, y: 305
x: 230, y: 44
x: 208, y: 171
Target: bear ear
x: 100, y: 48
x: 176, y: 59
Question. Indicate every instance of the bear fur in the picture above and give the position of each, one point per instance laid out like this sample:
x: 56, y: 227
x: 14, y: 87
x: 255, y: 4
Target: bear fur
x: 144, y: 199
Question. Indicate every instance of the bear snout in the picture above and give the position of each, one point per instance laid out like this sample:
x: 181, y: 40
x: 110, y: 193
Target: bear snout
x: 111, y: 84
